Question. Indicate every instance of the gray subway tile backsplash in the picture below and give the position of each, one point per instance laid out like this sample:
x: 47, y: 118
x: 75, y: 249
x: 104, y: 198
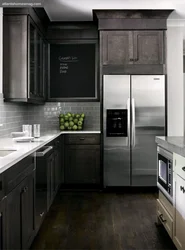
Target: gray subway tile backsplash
x: 47, y: 115
x: 13, y: 115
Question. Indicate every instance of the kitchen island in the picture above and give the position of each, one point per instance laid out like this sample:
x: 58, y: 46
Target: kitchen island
x: 172, y: 214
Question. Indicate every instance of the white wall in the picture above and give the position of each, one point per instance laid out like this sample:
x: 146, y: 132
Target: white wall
x: 1, y: 49
x: 175, y: 78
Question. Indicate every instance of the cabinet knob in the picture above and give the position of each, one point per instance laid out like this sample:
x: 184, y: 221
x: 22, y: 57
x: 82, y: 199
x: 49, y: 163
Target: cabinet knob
x: 183, y: 168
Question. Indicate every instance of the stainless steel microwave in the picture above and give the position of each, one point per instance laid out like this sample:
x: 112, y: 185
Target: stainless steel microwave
x: 165, y: 172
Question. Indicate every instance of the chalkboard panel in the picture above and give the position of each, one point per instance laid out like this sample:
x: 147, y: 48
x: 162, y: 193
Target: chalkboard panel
x: 73, y: 71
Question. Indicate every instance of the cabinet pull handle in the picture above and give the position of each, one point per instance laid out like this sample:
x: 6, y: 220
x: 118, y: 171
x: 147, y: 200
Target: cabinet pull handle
x: 41, y: 214
x: 82, y: 138
x: 182, y: 189
x: 161, y: 217
x: 183, y: 168
x: 1, y: 185
x: 131, y: 59
x: 25, y: 189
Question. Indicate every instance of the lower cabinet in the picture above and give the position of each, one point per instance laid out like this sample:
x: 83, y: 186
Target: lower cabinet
x: 2, y: 225
x: 20, y: 214
x: 82, y: 160
x: 50, y: 179
x: 179, y: 212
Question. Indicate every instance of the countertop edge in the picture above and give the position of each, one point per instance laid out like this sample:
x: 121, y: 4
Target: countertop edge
x: 161, y: 141
x: 24, y: 155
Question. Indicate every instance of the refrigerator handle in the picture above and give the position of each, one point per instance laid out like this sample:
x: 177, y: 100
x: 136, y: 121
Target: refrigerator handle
x: 133, y: 124
x: 128, y: 121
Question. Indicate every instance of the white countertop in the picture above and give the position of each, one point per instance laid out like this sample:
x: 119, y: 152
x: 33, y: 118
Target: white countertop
x: 24, y: 149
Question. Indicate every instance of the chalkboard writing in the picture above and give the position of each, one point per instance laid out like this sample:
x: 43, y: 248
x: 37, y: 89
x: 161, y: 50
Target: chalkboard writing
x: 72, y: 70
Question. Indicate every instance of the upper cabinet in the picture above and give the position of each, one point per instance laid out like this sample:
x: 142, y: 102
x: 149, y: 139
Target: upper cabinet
x: 23, y: 60
x: 132, y: 47
x: 132, y: 41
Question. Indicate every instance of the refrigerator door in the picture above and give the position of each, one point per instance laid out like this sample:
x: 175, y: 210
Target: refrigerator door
x: 148, y: 121
x: 116, y: 99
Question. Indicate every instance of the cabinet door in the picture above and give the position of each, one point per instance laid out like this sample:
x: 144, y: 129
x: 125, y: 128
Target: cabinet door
x: 13, y: 219
x: 2, y: 225
x: 148, y: 47
x: 179, y: 212
x: 82, y: 164
x: 27, y: 198
x: 117, y: 47
x: 39, y: 66
x: 45, y: 68
x: 32, y: 60
x: 50, y: 179
x: 57, y: 169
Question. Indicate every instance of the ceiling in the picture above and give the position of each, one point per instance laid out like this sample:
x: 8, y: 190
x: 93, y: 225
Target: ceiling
x: 81, y: 10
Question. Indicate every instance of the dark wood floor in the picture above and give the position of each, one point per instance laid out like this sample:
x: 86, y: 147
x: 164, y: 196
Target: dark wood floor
x: 106, y: 221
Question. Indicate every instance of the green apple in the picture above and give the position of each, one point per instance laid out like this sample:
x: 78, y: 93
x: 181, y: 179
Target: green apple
x: 75, y: 127
x: 66, y: 124
x: 61, y: 120
x: 75, y: 121
x: 62, y: 127
x: 79, y: 123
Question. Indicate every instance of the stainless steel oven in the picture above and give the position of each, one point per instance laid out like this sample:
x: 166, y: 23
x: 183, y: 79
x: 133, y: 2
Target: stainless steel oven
x: 165, y: 172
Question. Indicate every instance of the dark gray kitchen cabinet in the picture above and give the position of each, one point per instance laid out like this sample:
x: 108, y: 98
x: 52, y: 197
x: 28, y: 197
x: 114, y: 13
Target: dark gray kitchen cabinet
x: 82, y: 159
x: 23, y: 60
x: 148, y: 47
x: 2, y: 225
x: 82, y: 164
x: 28, y: 210
x: 50, y: 179
x: 13, y: 219
x: 117, y: 47
x: 132, y: 52
x: 20, y: 213
x: 58, y: 166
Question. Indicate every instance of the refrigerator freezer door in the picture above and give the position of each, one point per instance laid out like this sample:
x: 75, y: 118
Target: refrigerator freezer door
x: 148, y: 121
x: 116, y: 95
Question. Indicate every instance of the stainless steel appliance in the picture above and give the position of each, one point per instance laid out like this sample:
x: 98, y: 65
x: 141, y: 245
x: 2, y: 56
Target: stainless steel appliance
x: 165, y: 172
x: 43, y: 183
x: 133, y: 114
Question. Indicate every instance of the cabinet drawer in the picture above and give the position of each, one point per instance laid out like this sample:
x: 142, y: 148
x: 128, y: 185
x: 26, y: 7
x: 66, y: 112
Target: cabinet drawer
x: 168, y: 206
x: 15, y: 174
x: 164, y: 218
x: 179, y: 165
x: 82, y: 139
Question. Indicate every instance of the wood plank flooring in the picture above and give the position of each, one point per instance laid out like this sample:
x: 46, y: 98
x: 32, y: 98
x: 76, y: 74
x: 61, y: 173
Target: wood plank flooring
x: 102, y: 221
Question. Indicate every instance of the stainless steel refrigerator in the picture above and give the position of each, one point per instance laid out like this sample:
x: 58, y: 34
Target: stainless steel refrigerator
x: 133, y: 114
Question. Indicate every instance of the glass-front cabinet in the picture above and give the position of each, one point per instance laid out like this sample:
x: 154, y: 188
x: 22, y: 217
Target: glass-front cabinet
x: 36, y: 61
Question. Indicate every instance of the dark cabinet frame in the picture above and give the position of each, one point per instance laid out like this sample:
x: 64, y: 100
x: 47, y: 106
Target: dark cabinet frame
x: 16, y: 86
x: 132, y: 64
x: 78, y: 99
